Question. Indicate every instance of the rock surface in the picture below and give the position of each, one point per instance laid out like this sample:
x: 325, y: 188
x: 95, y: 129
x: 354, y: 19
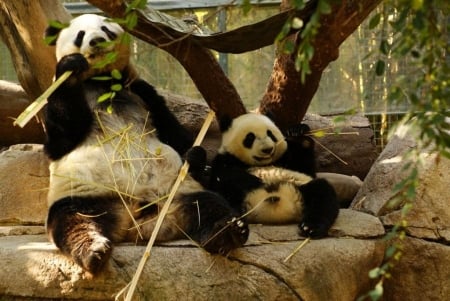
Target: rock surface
x: 179, y: 270
x: 429, y: 217
x: 23, y: 185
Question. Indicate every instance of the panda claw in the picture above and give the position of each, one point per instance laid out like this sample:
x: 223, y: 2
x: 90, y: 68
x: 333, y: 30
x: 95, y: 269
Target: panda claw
x: 226, y: 236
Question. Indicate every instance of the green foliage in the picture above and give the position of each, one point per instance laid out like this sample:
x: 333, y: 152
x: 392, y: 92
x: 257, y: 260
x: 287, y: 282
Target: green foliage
x: 129, y: 21
x: 55, y: 24
x: 304, y: 51
x: 419, y: 30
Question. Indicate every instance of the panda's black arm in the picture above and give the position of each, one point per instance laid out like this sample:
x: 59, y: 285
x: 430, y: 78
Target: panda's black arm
x: 169, y: 129
x: 229, y: 177
x: 68, y: 118
x: 299, y: 156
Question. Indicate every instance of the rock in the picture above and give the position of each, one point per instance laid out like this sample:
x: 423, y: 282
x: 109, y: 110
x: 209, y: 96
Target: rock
x: 21, y: 230
x: 180, y: 270
x: 23, y: 185
x: 422, y: 273
x: 346, y: 187
x: 429, y: 217
x: 351, y: 223
x: 354, y: 145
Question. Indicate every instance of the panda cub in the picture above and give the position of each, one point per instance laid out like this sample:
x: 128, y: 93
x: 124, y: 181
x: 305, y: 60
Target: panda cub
x: 113, y: 163
x: 270, y: 178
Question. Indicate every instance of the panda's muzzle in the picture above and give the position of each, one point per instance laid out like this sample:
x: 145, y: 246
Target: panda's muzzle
x: 265, y: 154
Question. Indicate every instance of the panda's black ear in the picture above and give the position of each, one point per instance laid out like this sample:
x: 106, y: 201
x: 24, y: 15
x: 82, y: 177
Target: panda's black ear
x: 225, y: 123
x: 51, y: 34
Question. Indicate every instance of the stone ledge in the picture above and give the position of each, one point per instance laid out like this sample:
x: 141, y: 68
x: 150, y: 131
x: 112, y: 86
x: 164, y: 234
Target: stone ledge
x: 34, y: 268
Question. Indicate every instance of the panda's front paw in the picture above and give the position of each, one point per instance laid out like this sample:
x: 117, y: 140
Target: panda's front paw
x: 196, y: 157
x: 73, y: 62
x: 313, y: 230
x: 297, y: 130
x: 226, y: 235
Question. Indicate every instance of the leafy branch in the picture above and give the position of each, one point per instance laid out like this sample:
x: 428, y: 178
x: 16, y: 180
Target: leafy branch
x: 420, y: 33
x: 304, y: 50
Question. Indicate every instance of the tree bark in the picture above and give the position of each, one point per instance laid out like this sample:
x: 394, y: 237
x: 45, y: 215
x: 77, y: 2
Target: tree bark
x: 23, y: 24
x: 286, y: 98
x: 201, y: 65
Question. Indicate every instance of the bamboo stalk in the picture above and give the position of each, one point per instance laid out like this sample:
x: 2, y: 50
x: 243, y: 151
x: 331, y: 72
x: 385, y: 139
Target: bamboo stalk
x: 180, y: 178
x: 40, y: 102
x: 303, y: 243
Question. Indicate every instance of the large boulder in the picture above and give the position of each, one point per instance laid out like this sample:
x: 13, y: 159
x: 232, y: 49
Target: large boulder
x: 429, y: 217
x: 422, y: 272
x: 23, y: 185
x: 266, y: 268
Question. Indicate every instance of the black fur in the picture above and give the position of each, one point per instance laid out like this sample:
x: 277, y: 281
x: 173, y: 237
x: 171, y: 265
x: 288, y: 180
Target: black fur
x: 71, y: 219
x: 321, y: 208
x: 69, y: 117
x: 85, y: 228
x: 214, y: 224
x: 229, y: 176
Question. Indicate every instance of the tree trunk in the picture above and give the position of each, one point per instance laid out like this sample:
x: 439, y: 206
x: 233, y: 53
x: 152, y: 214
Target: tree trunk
x: 286, y: 98
x: 23, y: 24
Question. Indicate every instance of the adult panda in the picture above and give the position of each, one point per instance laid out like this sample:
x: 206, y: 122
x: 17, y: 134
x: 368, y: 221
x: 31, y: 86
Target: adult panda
x: 270, y: 178
x: 112, y: 162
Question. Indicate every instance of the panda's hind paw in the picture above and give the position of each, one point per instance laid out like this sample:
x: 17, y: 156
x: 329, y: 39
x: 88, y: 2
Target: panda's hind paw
x: 94, y: 256
x: 313, y: 231
x: 227, y: 234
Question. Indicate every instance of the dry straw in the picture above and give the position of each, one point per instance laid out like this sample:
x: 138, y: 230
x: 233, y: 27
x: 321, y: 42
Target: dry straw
x: 180, y: 178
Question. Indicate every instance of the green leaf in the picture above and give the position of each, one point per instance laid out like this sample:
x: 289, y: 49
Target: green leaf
x: 106, y: 96
x: 116, y: 74
x: 116, y: 87
x: 246, y: 6
x: 417, y: 4
x: 284, y: 31
x: 57, y: 24
x: 384, y: 47
x: 390, y: 251
x: 102, y: 78
x: 379, y: 67
x: 377, y: 292
x: 50, y: 39
x: 374, y: 21
x: 131, y: 20
x: 288, y: 47
x: 374, y: 273
x: 109, y: 109
x: 324, y: 7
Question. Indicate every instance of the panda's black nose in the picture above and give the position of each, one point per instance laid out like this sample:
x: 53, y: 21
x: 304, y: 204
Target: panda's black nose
x: 267, y: 150
x: 95, y: 41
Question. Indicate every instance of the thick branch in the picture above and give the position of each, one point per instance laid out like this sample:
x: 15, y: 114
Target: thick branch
x: 286, y: 98
x: 203, y: 68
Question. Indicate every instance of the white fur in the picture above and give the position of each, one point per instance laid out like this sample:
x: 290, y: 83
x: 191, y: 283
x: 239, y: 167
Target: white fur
x: 281, y: 206
x: 92, y: 25
x: 257, y: 124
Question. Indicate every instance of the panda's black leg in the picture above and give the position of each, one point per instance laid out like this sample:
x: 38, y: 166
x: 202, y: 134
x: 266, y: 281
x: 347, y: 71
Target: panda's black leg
x: 213, y: 223
x: 79, y: 228
x: 321, y: 208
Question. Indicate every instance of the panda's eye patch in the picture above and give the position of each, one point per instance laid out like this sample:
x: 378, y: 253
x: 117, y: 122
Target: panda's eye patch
x: 111, y: 35
x: 272, y: 136
x: 79, y: 39
x: 249, y: 139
